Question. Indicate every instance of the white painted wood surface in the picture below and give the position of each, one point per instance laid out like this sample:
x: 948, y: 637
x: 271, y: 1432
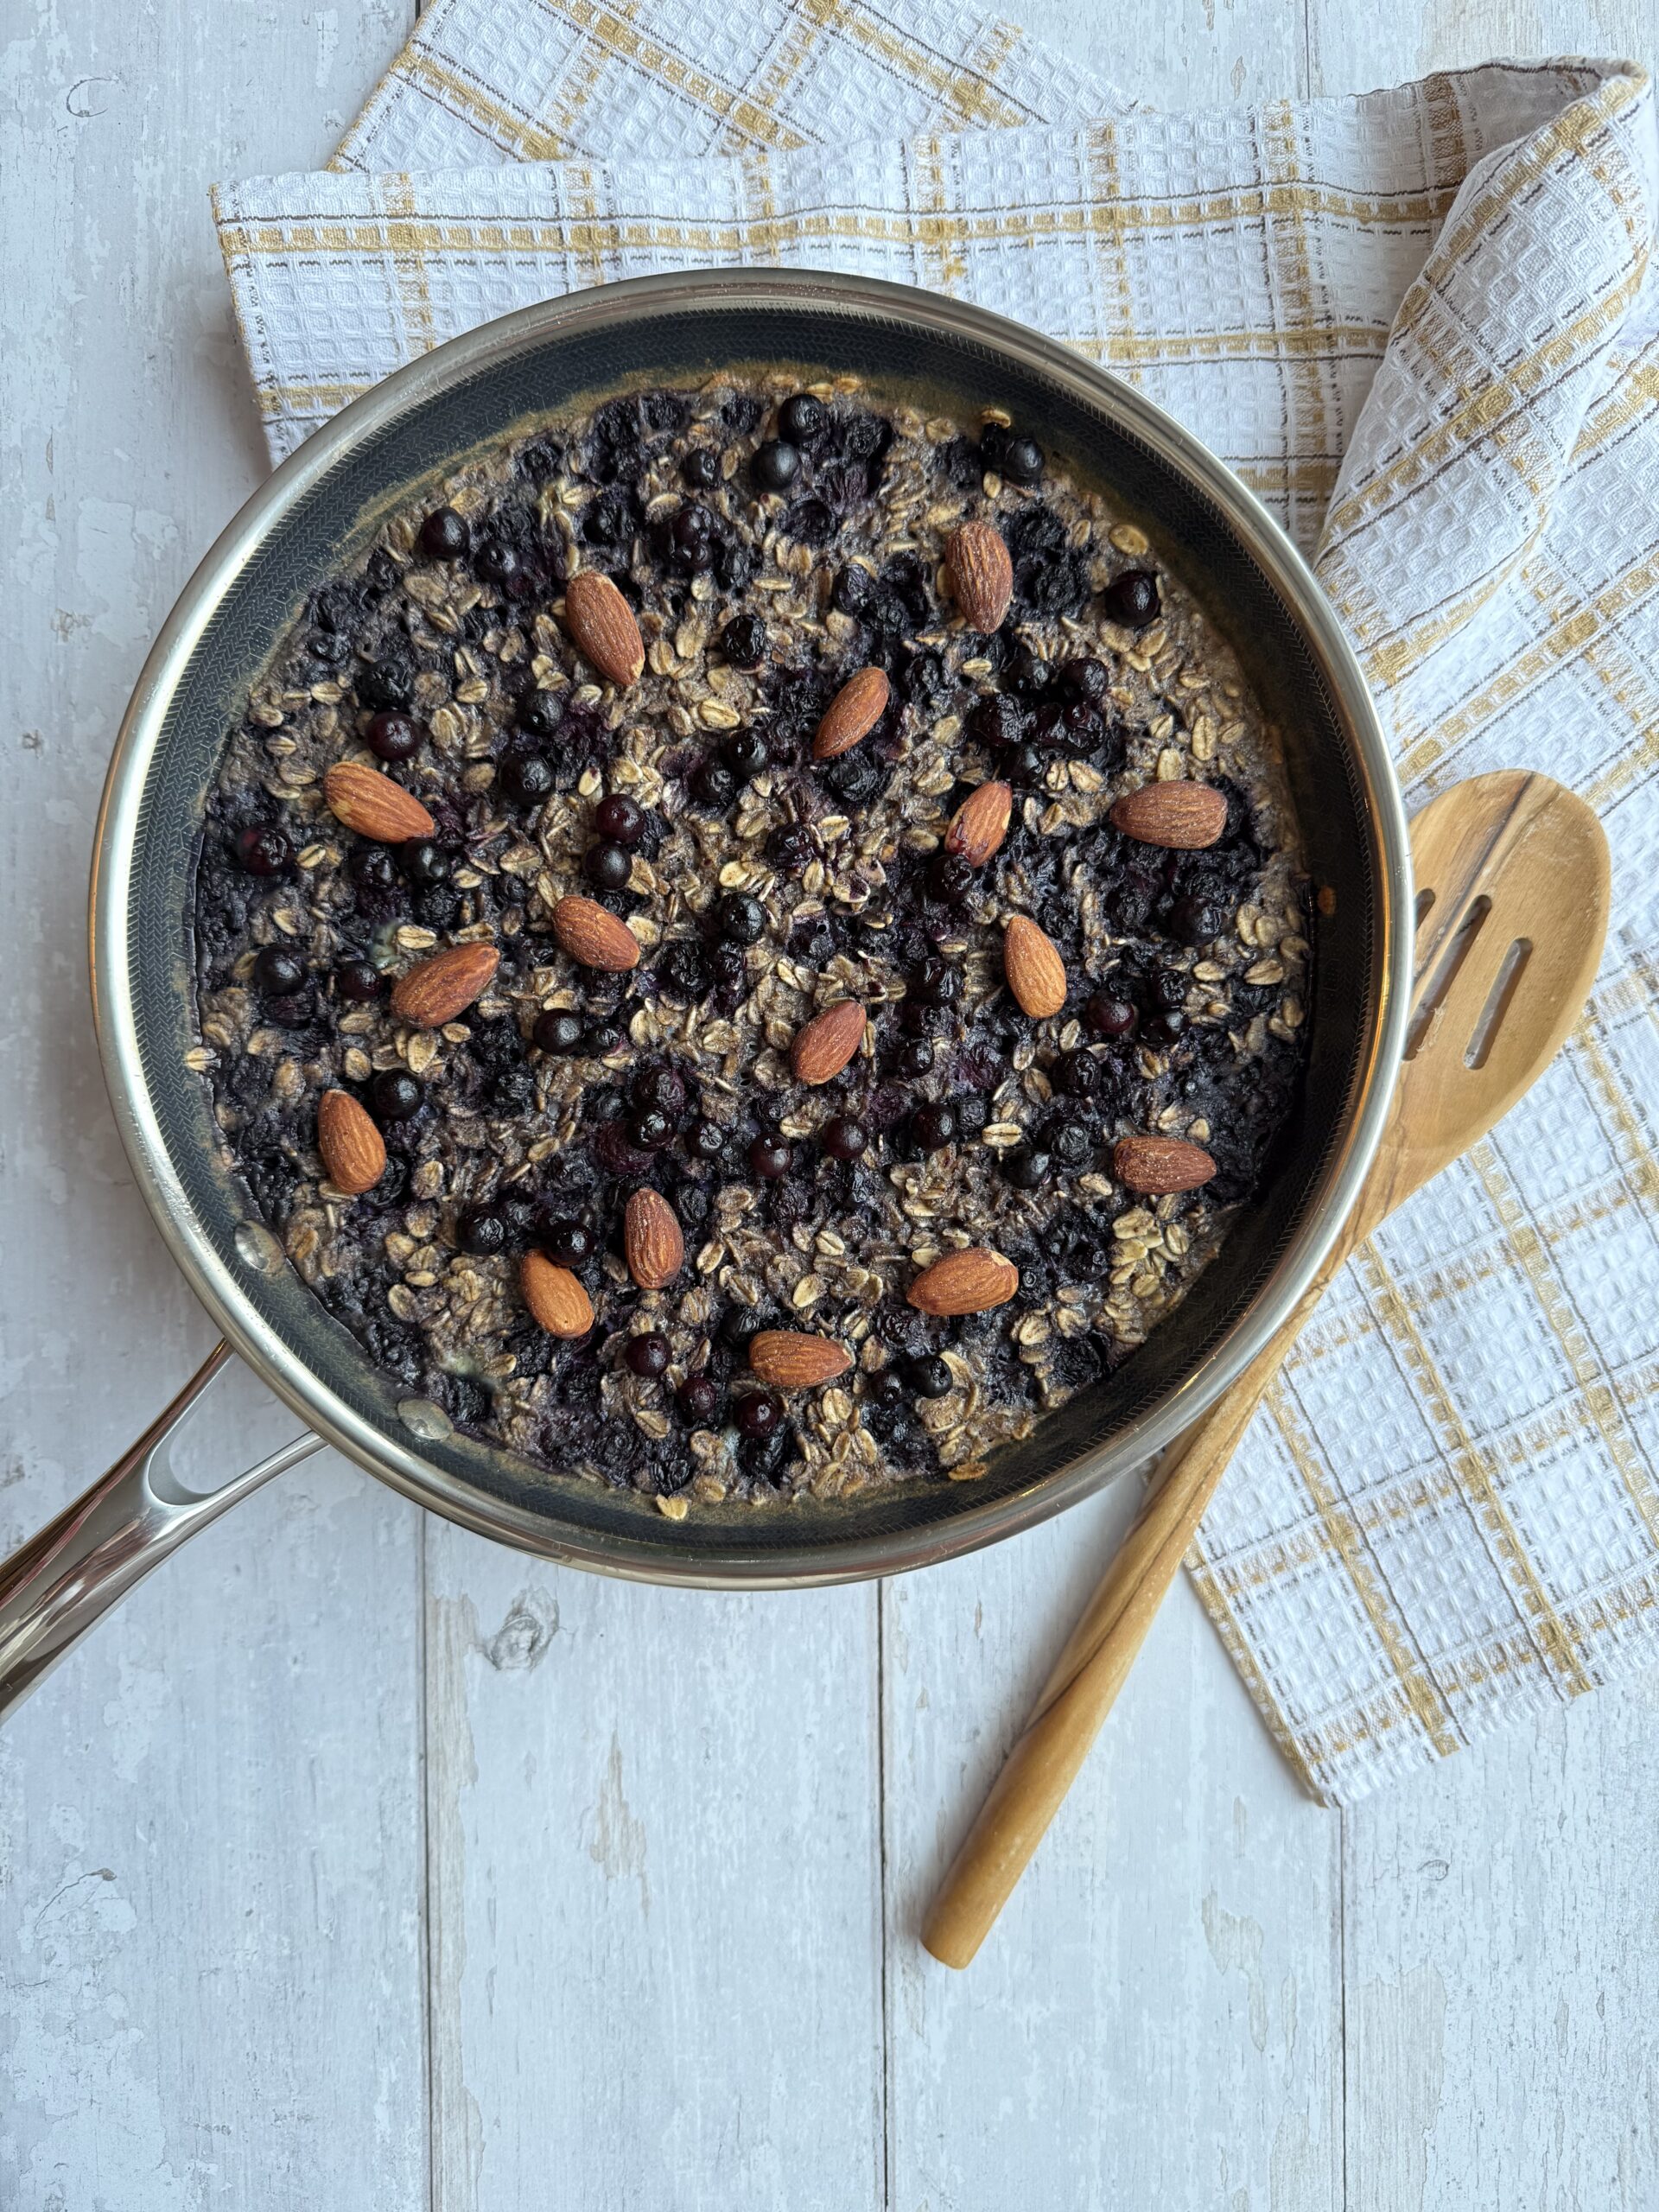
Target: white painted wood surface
x: 357, y: 1862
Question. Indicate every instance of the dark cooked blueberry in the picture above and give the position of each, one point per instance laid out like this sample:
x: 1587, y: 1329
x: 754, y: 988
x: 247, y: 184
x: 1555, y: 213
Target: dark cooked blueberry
x: 917, y: 1019
x: 648, y: 1354
x: 608, y: 867
x: 741, y: 1326
x: 373, y: 868
x: 1108, y: 1015
x: 539, y: 460
x: 569, y: 1242
x: 915, y: 1059
x: 620, y: 819
x: 757, y: 1414
x: 792, y: 847
x: 600, y: 1039
x: 997, y: 720
x: 611, y: 519
x: 1164, y: 1028
x: 682, y: 970
x: 994, y: 443
x: 698, y: 1399
x: 1167, y: 990
x: 949, y: 879
x: 885, y: 1387
x: 777, y: 464
x: 929, y: 1376
x: 358, y: 980
x: 934, y: 1127
x: 1080, y: 728
x: 745, y: 754
x: 1131, y: 599
x: 854, y: 589
x: 482, y: 1230
x: 769, y: 1158
x: 1028, y: 1169
x: 700, y: 470
x: 1194, y: 920
x: 934, y: 981
x: 691, y: 535
x: 1022, y: 461
x: 843, y: 1138
x: 1026, y: 673
x: 278, y: 970
x: 290, y: 1011
x: 1083, y: 681
x: 497, y: 561
x: 386, y: 683
x: 444, y: 536
x: 1070, y: 1142
x: 424, y: 863
x: 728, y: 971
x: 801, y: 418
x: 1078, y: 1074
x: 558, y: 1030
x: 733, y: 563
x: 744, y: 641
x: 661, y: 1087
x: 740, y: 918
x: 855, y: 777
x: 263, y: 850
x: 1024, y: 764
x: 707, y: 1140
x: 396, y: 1095
x: 526, y: 778
x: 714, y: 784
x: 392, y: 737
x: 540, y: 713
x: 650, y: 1129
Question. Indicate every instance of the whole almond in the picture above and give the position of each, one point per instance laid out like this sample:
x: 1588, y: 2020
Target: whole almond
x: 1035, y: 971
x: 1153, y: 1165
x: 792, y: 1360
x: 373, y: 805
x: 352, y: 1147
x: 981, y: 574
x: 652, y: 1239
x: 603, y: 627
x: 823, y: 1047
x: 1183, y: 817
x: 980, y: 823
x: 556, y: 1300
x: 438, y: 989
x: 964, y: 1282
x: 854, y: 713
x: 595, y: 936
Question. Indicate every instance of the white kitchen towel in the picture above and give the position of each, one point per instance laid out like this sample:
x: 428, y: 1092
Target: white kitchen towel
x: 1418, y: 323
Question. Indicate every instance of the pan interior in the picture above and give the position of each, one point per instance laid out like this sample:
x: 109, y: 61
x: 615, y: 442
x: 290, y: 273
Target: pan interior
x: 552, y: 363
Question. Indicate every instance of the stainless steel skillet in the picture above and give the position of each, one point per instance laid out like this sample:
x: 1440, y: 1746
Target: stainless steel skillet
x: 315, y: 511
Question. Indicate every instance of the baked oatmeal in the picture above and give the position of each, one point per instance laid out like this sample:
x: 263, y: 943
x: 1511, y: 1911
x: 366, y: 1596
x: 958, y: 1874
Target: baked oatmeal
x: 753, y: 945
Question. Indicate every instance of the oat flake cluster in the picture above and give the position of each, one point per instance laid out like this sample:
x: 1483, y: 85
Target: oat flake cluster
x: 649, y: 1008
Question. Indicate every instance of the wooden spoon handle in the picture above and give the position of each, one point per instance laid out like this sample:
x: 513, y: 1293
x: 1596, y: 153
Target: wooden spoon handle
x: 1101, y: 1649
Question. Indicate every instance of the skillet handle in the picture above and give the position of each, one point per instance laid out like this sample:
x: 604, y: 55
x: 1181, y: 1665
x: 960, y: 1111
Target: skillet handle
x: 55, y: 1586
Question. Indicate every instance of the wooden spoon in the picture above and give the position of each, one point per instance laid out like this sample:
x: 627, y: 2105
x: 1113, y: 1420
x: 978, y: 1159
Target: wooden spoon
x: 1513, y: 887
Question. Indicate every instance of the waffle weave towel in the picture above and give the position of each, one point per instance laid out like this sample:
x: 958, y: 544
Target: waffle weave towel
x: 1419, y: 324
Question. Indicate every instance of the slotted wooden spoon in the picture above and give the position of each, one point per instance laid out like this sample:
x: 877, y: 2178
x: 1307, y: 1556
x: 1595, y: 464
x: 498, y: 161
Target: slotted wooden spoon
x: 1513, y: 886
